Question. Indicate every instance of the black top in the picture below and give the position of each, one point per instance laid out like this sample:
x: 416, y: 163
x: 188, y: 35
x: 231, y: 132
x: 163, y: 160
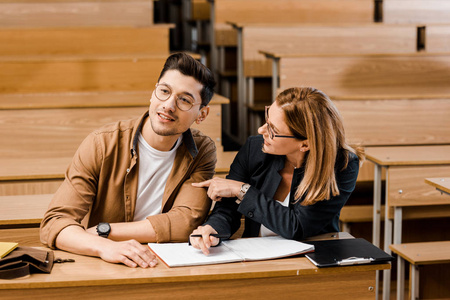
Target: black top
x: 261, y: 171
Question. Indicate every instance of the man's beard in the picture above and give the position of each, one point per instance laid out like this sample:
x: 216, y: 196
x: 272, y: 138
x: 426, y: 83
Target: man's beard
x: 164, y: 131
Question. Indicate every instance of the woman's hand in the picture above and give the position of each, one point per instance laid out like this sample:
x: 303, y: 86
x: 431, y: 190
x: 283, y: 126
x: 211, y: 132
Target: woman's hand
x: 206, y: 241
x: 219, y: 188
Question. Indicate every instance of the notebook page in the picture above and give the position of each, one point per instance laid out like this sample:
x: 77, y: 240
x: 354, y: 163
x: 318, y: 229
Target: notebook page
x: 181, y: 254
x: 261, y: 248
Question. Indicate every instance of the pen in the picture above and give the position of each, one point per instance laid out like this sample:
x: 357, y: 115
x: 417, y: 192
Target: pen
x: 220, y: 236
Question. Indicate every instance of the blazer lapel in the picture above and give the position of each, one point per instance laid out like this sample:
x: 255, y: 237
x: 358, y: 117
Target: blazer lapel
x: 273, y: 178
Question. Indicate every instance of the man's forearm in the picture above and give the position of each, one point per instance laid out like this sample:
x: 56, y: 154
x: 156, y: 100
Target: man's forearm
x: 141, y: 231
x: 76, y: 240
x: 86, y: 242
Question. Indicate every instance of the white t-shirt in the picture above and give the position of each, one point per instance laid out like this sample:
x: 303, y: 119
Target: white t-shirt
x: 266, y: 231
x: 154, y: 169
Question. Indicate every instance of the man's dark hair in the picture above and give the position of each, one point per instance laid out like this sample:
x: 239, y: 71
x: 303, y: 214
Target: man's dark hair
x: 189, y: 66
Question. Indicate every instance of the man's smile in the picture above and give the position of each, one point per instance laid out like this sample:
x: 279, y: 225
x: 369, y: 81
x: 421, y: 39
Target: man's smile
x: 165, y: 117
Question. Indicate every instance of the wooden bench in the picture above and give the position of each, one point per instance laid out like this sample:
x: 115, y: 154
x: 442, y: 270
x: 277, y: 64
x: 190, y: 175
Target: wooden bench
x: 79, y: 73
x: 425, y: 11
x: 390, y: 122
x: 23, y: 210
x: 437, y: 37
x: 420, y: 255
x: 71, y: 126
x: 149, y: 40
x: 423, y: 254
x: 365, y: 75
x: 307, y: 38
x: 408, y: 87
x: 406, y: 192
x: 59, y: 53
x: 61, y: 13
x: 46, y: 139
x: 365, y: 87
x: 223, y: 38
x: 288, y: 11
x: 442, y: 184
x: 24, y: 236
x: 28, y: 176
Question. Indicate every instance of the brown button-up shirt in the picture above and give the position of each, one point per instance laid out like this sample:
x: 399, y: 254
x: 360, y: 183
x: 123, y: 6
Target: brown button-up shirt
x: 101, y: 184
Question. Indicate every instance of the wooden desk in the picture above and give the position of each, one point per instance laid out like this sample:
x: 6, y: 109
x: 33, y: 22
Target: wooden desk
x: 339, y: 38
x: 270, y: 279
x: 153, y: 39
x: 386, y: 75
x: 39, y: 159
x: 282, y: 11
x: 441, y: 184
x: 23, y: 209
x: 405, y: 167
x: 418, y: 254
x: 398, y: 11
x: 28, y: 210
x: 21, y: 14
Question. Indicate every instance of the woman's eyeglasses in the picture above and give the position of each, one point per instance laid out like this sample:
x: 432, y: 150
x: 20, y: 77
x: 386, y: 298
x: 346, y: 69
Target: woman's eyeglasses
x: 270, y: 129
x: 184, y: 102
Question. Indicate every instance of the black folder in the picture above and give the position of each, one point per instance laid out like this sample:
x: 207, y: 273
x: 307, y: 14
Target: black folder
x: 331, y: 253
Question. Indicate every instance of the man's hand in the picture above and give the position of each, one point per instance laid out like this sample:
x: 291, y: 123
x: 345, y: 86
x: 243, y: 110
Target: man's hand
x: 131, y: 253
x: 219, y: 188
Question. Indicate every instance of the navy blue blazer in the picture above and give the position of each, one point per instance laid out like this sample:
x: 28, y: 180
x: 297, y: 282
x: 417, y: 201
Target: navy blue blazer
x: 297, y: 222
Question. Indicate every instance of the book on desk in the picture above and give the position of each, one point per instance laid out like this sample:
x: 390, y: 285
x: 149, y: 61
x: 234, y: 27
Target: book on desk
x: 346, y: 252
x: 6, y: 248
x: 246, y: 249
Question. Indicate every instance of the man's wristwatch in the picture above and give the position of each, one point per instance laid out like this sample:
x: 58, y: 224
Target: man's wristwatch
x: 103, y: 229
x: 242, y: 192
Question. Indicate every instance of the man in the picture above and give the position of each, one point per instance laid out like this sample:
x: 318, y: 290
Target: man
x: 130, y: 181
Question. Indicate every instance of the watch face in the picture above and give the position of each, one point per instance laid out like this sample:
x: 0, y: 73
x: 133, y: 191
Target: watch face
x: 103, y: 227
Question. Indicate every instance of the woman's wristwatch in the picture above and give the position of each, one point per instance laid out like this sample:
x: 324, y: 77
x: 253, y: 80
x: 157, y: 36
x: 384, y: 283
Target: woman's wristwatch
x: 242, y: 192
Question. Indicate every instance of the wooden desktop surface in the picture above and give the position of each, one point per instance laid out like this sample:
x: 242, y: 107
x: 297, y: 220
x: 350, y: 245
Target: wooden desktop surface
x: 424, y: 253
x: 54, y: 167
x: 23, y: 209
x: 442, y: 184
x: 262, y: 279
x: 409, y: 155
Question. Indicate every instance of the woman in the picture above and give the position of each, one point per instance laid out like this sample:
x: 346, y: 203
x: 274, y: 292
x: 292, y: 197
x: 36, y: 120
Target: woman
x: 291, y: 180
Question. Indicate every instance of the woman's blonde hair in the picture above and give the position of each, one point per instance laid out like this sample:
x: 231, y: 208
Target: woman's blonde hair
x: 311, y: 113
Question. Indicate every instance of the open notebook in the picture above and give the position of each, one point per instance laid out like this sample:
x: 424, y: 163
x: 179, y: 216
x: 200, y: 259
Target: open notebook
x: 248, y: 249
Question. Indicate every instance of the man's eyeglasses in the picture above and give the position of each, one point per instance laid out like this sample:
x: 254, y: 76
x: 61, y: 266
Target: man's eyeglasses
x: 270, y: 129
x: 184, y: 102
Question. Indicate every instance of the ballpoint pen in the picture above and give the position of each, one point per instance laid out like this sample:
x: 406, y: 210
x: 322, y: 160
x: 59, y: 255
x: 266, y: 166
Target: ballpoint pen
x: 220, y: 236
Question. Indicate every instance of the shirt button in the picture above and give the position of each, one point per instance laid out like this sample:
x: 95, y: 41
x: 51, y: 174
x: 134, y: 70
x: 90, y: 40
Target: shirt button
x: 250, y: 214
